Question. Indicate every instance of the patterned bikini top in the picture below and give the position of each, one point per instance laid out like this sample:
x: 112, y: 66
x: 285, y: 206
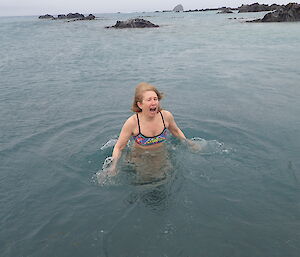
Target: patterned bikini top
x: 143, y: 140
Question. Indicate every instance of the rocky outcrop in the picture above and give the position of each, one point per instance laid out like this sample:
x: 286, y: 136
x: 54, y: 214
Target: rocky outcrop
x: 75, y: 16
x: 61, y: 16
x: 287, y: 13
x: 69, y: 16
x: 224, y: 10
x: 178, y: 8
x: 46, y: 16
x: 90, y: 17
x: 203, y: 10
x: 133, y: 23
x: 256, y: 7
x: 211, y: 9
x: 274, y: 7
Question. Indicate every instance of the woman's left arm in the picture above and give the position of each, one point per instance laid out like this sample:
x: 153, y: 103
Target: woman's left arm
x: 173, y: 128
x: 176, y: 132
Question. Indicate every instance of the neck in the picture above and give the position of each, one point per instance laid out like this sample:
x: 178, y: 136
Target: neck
x: 147, y: 117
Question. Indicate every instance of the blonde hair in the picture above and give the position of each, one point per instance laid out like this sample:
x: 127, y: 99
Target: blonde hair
x: 138, y: 96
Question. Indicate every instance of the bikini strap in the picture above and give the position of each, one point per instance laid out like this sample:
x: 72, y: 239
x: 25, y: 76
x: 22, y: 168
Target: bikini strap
x: 162, y: 119
x: 137, y: 116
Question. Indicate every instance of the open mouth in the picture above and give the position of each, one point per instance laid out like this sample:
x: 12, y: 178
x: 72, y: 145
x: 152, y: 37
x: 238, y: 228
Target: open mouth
x: 153, y: 109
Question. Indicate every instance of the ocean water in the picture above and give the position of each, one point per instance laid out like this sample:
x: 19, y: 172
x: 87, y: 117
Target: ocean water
x: 65, y: 91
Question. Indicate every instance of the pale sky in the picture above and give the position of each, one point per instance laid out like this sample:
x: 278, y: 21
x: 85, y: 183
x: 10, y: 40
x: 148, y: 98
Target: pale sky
x: 54, y: 7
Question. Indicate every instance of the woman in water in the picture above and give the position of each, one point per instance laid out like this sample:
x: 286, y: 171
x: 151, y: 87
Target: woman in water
x: 148, y: 127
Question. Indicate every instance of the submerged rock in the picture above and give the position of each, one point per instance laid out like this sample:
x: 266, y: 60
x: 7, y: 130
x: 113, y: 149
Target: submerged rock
x: 287, y: 13
x: 133, y: 23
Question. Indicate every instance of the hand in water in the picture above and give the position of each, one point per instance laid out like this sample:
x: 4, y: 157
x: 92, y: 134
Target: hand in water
x: 109, y: 170
x: 105, y: 175
x: 202, y: 146
x: 194, y: 146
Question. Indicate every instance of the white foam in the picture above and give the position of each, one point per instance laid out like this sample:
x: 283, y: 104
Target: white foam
x: 209, y: 146
x: 101, y: 175
x: 107, y: 163
x: 110, y: 143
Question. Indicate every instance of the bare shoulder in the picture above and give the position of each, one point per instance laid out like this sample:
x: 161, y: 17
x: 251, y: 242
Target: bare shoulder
x: 131, y: 121
x: 130, y: 125
x: 167, y: 115
x: 126, y: 131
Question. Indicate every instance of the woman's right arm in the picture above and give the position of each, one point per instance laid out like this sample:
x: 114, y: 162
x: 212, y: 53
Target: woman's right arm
x: 126, y: 132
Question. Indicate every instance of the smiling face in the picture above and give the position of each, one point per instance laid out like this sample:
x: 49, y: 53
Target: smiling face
x: 149, y: 104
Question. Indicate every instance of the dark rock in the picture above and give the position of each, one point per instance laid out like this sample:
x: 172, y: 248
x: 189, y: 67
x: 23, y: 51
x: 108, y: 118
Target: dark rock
x: 204, y: 10
x: 69, y: 17
x: 224, y: 10
x: 75, y: 16
x: 61, y: 16
x: 47, y: 16
x: 90, y: 17
x: 256, y: 7
x: 287, y: 13
x: 133, y: 23
x: 274, y: 7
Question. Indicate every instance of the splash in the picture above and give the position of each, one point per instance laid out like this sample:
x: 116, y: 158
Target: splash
x: 107, y: 162
x: 110, y: 143
x: 142, y: 175
x: 207, y: 147
x: 102, y: 176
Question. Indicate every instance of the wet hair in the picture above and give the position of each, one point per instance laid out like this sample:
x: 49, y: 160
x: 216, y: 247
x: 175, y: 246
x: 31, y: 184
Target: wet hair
x: 138, y: 96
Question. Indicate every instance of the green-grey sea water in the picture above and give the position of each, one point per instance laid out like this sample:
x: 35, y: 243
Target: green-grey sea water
x: 65, y: 91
